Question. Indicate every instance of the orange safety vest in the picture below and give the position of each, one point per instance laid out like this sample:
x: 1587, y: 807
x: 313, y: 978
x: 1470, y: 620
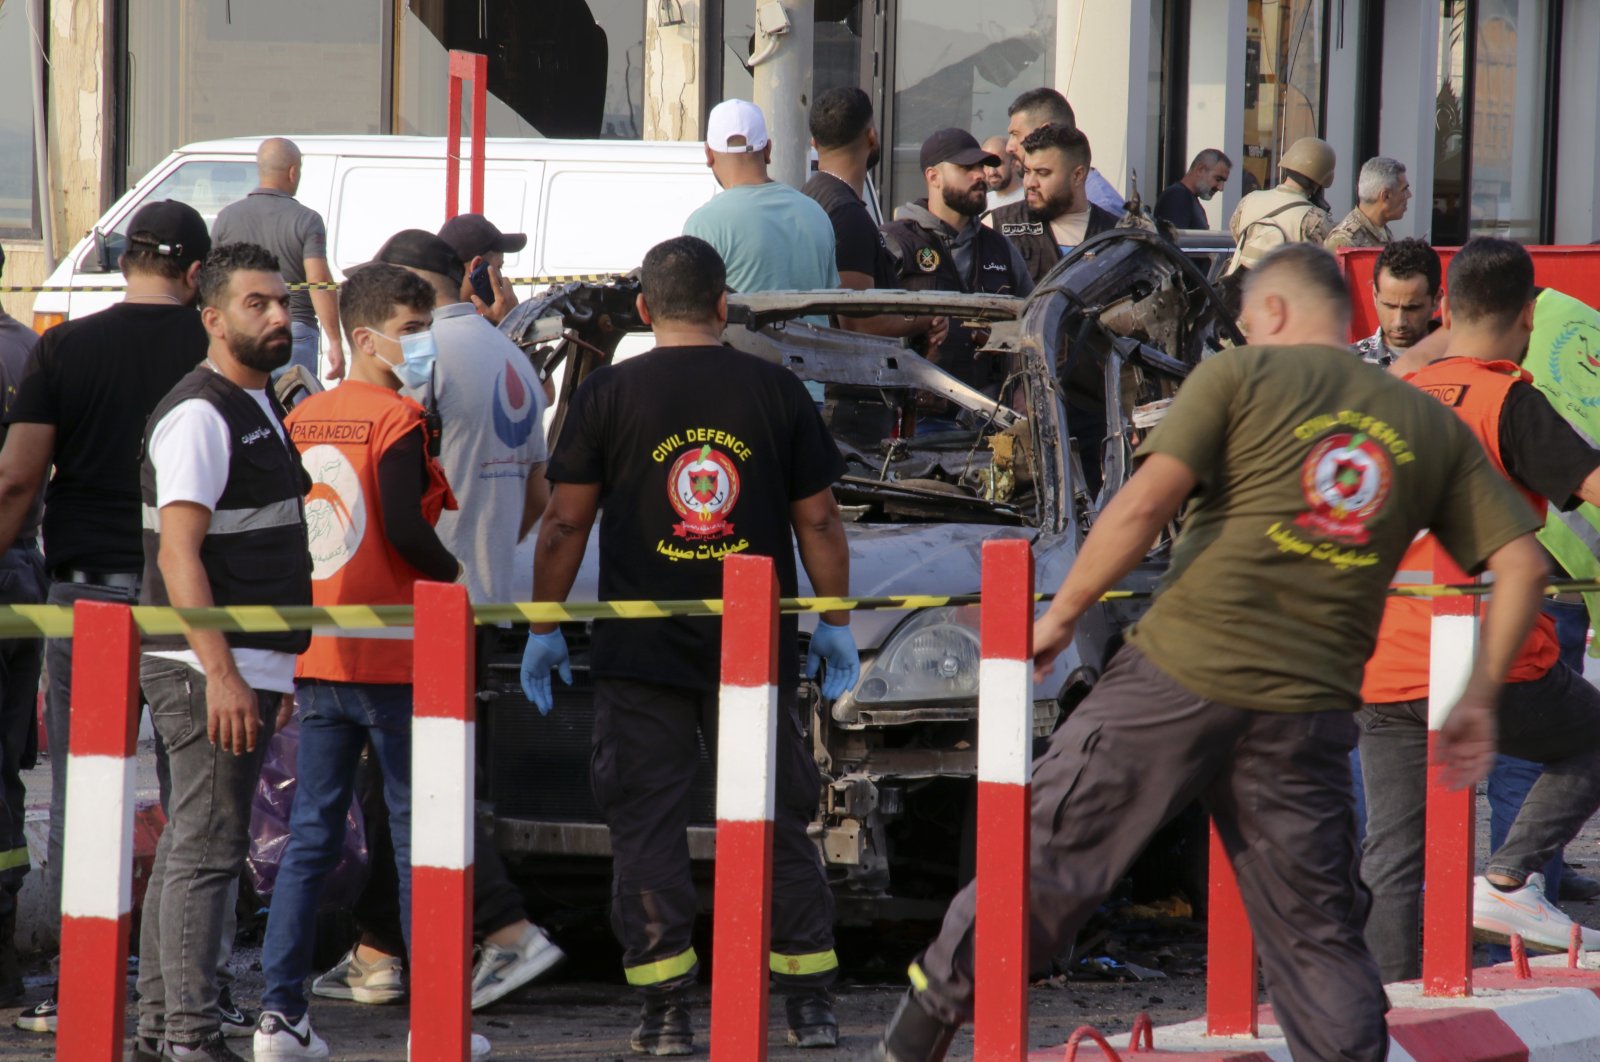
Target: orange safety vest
x: 1398, y: 670
x: 341, y: 435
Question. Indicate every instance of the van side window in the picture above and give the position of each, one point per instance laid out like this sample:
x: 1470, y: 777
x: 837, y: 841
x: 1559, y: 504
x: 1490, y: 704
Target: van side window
x: 208, y: 186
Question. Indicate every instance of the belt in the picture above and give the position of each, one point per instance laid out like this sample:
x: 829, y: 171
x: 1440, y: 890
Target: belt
x: 117, y: 580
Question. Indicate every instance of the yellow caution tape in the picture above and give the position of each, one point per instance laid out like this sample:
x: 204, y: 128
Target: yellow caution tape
x: 55, y: 621
x: 568, y: 278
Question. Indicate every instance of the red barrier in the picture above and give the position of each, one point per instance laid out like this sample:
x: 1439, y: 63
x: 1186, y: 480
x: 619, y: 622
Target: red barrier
x: 465, y: 66
x: 1572, y: 270
x: 747, y: 732
x: 97, y: 861
x: 1230, y: 952
x: 442, y: 751
x: 1005, y: 755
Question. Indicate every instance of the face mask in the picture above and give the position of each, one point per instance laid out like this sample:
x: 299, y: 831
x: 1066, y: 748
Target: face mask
x: 418, y: 353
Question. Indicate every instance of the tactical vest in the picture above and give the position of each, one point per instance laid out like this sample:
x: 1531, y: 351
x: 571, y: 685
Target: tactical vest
x: 1398, y: 670
x: 1032, y: 237
x: 1269, y: 219
x: 255, y: 551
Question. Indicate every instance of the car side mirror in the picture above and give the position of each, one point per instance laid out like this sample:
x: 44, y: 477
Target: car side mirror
x: 108, y: 248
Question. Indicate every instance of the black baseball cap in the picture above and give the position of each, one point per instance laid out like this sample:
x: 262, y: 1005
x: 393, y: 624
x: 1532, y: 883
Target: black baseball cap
x: 420, y: 249
x: 473, y: 235
x: 170, y: 228
x: 957, y: 146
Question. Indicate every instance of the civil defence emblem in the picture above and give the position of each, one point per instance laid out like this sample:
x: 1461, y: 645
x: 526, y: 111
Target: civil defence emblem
x: 1346, y: 479
x: 703, y: 486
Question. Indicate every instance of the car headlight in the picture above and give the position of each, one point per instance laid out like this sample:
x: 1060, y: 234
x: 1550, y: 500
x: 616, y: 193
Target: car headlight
x: 933, y: 656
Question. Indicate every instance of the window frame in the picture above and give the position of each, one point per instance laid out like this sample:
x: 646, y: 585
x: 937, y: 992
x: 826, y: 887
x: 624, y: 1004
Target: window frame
x: 34, y: 230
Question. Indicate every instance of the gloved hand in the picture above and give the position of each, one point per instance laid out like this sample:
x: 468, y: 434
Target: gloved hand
x: 544, y: 652
x: 837, y: 647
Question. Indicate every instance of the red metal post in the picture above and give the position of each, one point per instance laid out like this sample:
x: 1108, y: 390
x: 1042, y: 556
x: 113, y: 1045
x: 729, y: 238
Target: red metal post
x: 1230, y: 952
x: 747, y: 731
x: 442, y: 750
x: 465, y: 66
x: 1005, y: 755
x: 1451, y: 816
x: 97, y: 879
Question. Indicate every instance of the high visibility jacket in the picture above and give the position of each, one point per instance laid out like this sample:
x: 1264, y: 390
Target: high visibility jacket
x: 342, y: 434
x: 1267, y: 220
x: 1398, y: 670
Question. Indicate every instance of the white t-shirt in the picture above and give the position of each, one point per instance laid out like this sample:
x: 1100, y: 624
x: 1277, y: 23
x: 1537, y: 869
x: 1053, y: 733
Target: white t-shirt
x: 491, y: 409
x: 1069, y: 229
x: 998, y: 199
x: 190, y: 449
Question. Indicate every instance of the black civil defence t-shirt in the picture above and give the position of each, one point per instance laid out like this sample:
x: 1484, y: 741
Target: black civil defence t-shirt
x: 97, y: 379
x: 857, y: 244
x: 699, y: 452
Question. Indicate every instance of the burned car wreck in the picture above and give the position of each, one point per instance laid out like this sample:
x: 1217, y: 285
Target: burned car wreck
x: 1090, y: 359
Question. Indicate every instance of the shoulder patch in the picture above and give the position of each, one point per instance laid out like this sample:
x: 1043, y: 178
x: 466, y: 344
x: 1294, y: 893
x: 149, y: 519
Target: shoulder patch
x: 927, y: 259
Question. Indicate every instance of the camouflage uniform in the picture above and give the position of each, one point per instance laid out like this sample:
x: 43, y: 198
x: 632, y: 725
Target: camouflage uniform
x: 1357, y: 230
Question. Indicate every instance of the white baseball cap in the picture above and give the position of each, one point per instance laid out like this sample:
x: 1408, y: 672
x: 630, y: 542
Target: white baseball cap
x: 736, y: 127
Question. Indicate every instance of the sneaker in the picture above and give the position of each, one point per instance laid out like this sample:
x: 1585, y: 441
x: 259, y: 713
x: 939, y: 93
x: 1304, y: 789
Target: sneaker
x: 277, y: 1037
x: 236, y: 1021
x: 480, y: 1046
x: 503, y: 970
x: 913, y: 1035
x: 1576, y: 886
x: 144, y: 1049
x: 213, y: 1048
x: 811, y: 1020
x: 1497, y: 914
x: 39, y: 1018
x: 380, y: 981
x: 663, y: 1030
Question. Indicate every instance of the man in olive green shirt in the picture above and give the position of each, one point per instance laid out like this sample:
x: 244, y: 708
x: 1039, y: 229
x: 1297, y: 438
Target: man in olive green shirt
x: 1307, y: 474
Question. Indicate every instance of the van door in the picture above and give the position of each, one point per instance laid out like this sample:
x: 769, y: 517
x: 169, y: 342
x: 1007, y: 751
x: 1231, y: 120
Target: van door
x: 601, y: 217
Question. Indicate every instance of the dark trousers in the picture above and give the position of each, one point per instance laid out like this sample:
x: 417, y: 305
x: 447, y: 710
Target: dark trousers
x: 1134, y: 753
x: 22, y: 582
x: 646, y: 747
x: 1553, y: 720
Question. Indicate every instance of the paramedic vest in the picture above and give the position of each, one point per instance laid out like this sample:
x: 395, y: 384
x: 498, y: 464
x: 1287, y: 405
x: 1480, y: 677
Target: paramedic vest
x: 254, y: 552
x: 342, y: 434
x: 1398, y: 670
x: 1269, y: 219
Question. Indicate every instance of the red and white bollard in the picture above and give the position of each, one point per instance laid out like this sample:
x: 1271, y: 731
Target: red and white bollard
x: 1448, y: 863
x: 747, y: 735
x: 97, y: 870
x: 1230, y: 952
x: 442, y: 754
x: 1005, y: 771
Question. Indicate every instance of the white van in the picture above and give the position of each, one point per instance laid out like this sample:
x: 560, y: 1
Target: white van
x: 588, y: 206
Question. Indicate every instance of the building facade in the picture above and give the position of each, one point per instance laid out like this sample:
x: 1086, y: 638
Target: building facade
x: 1487, y: 102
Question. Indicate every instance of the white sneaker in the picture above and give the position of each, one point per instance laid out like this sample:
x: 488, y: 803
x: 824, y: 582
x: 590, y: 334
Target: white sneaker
x: 277, y: 1037
x: 500, y: 971
x: 1543, y: 927
x: 480, y: 1046
x: 377, y: 982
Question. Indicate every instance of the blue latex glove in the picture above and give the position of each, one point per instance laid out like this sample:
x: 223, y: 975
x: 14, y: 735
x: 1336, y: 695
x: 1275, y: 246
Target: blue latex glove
x: 836, y: 647
x: 544, y: 652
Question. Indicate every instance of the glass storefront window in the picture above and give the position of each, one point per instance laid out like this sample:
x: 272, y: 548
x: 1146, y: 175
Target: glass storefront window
x: 203, y: 69
x: 960, y: 64
x: 835, y: 49
x: 1450, y: 125
x: 17, y: 177
x: 1283, y: 83
x: 1508, y: 118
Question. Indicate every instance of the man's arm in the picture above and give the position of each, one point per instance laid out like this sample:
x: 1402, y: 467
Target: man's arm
x: 1121, y: 537
x: 326, y: 302
x: 563, y: 536
x: 824, y: 550
x: 534, y: 499
x: 24, y: 463
x: 232, y: 719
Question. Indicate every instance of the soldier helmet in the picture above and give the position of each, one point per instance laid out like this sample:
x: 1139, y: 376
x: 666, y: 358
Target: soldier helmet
x: 1312, y: 158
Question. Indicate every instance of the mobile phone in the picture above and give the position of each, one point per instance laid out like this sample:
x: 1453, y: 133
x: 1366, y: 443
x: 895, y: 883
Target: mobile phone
x: 481, y: 284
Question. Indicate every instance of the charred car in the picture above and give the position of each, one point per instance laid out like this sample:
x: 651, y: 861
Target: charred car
x: 936, y: 468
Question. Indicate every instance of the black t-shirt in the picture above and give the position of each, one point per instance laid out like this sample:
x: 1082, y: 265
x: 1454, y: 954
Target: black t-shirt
x: 1542, y: 450
x: 1181, y: 207
x: 699, y: 452
x: 97, y: 380
x: 858, y: 245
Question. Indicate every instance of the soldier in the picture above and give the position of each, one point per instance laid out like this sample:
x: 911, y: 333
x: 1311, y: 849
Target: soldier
x: 1293, y: 212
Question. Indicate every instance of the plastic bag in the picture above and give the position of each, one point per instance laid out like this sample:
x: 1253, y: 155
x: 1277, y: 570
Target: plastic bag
x: 269, y: 828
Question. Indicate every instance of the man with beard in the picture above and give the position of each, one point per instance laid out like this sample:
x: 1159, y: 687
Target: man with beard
x: 224, y: 525
x: 1056, y: 214
x: 1005, y: 179
x: 938, y: 245
x: 1405, y: 294
x: 1046, y: 106
x: 1179, y: 206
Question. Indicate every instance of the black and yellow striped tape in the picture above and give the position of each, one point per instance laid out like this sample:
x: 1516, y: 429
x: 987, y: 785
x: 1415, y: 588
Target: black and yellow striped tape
x: 55, y: 621
x: 566, y: 278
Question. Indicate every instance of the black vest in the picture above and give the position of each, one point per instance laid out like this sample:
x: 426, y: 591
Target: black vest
x: 255, y: 552
x: 926, y: 264
x: 1031, y: 234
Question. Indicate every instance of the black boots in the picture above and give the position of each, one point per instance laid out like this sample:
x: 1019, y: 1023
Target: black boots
x: 10, y: 963
x: 914, y: 1035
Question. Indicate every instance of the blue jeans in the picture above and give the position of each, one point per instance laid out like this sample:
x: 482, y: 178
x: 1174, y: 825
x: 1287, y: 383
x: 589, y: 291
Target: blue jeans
x: 307, y: 343
x: 337, y: 720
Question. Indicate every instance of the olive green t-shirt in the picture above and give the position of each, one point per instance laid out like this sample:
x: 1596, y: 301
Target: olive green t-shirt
x: 1315, y: 470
